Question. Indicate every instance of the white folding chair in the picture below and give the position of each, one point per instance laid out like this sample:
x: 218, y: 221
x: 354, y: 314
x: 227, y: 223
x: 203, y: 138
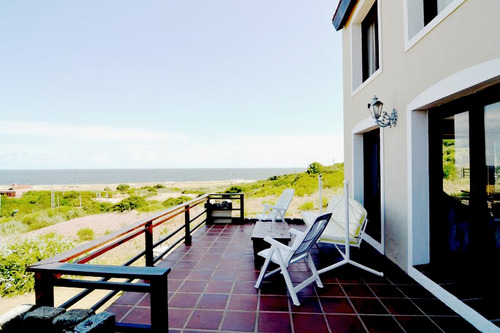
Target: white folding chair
x: 277, y: 211
x: 284, y: 255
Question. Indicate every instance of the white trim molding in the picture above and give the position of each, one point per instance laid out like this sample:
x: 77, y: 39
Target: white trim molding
x: 460, y: 84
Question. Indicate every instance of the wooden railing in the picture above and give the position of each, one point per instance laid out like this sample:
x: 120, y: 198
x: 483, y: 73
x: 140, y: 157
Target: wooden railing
x: 151, y: 279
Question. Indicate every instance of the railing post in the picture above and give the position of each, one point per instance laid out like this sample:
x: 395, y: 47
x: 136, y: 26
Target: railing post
x: 159, y: 305
x: 209, y: 220
x: 44, y: 289
x: 242, y: 208
x: 187, y: 228
x: 148, y: 236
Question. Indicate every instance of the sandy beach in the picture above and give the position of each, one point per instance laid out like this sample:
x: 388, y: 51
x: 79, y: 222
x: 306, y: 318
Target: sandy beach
x: 102, y: 187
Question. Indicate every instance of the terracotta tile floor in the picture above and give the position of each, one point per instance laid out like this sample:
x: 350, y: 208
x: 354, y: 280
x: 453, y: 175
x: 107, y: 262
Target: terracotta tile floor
x: 211, y: 290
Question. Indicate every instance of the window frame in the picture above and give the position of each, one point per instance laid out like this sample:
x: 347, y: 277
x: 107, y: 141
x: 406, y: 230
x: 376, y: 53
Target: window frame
x: 369, y: 44
x: 362, y: 10
x: 414, y: 22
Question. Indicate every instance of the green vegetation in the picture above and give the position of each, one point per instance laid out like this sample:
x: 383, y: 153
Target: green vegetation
x: 172, y: 202
x: 307, y: 206
x: 449, y: 170
x: 38, y: 209
x: 14, y: 259
x: 132, y: 202
x: 304, y: 183
x: 315, y: 168
x: 85, y: 234
x: 122, y: 187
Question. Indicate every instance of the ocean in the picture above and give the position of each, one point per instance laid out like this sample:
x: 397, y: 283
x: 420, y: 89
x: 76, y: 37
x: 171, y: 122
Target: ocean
x: 124, y: 176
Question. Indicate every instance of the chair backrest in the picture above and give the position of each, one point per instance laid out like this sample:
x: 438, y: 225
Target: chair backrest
x: 310, y: 237
x: 285, y: 199
x: 357, y: 214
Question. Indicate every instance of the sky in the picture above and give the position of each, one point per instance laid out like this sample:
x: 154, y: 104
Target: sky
x: 169, y: 84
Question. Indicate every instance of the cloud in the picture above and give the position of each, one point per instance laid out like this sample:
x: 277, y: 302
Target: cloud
x: 32, y: 145
x: 77, y: 132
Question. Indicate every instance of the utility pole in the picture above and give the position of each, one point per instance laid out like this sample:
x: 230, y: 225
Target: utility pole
x: 52, y: 202
x: 320, y: 183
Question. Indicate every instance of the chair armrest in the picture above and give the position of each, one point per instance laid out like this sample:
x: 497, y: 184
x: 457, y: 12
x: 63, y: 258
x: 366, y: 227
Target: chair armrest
x: 267, y: 207
x: 274, y: 242
x: 295, y: 232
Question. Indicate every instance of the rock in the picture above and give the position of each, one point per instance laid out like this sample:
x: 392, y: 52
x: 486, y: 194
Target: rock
x: 40, y: 319
x: 10, y: 321
x: 98, y: 323
x: 68, y: 320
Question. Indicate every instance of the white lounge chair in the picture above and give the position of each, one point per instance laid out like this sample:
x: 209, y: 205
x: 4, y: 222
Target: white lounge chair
x: 346, y: 228
x: 284, y: 255
x: 277, y: 212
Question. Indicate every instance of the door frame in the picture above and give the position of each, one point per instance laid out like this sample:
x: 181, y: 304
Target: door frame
x: 460, y: 84
x: 367, y: 125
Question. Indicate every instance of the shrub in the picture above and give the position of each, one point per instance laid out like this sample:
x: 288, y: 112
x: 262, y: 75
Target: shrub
x: 132, y: 202
x: 315, y: 168
x: 307, y: 206
x: 14, y: 259
x: 85, y: 234
x: 13, y: 227
x: 123, y: 187
x: 198, y: 192
x: 172, y: 202
x: 305, y: 185
x: 37, y: 220
x: 234, y: 189
x: 158, y: 186
x: 152, y: 206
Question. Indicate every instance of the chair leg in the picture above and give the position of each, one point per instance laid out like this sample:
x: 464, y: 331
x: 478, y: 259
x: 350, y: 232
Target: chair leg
x: 313, y: 278
x: 289, y: 284
x: 314, y: 271
x: 264, y: 268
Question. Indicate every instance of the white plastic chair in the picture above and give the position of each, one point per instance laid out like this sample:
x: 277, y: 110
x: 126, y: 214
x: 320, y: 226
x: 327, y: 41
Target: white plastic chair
x: 346, y: 228
x: 277, y: 211
x: 284, y: 255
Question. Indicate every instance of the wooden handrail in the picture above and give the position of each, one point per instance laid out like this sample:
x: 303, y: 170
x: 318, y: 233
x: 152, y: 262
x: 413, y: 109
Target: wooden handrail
x: 154, y: 280
x: 48, y: 272
x: 111, y: 239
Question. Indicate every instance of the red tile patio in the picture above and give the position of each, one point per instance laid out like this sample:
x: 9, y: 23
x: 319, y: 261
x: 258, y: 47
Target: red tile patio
x: 211, y: 290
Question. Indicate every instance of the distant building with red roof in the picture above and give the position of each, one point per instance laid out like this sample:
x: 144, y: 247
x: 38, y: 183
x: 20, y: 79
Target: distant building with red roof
x: 15, y: 191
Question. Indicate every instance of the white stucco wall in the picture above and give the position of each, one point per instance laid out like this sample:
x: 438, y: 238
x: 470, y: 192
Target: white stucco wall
x: 465, y: 37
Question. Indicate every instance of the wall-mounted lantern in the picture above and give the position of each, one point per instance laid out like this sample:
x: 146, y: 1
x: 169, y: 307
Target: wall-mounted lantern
x: 380, y: 116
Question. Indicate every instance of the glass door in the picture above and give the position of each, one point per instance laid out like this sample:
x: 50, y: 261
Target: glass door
x: 464, y: 166
x: 492, y: 148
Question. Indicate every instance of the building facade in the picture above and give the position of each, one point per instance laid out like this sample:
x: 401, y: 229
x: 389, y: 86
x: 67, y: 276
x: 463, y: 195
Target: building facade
x: 430, y: 183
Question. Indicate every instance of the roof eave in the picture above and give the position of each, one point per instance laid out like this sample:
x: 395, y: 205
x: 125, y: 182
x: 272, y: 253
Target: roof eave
x: 342, y: 13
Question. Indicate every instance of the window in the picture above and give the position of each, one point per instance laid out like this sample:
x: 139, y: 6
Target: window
x: 369, y: 40
x: 425, y: 15
x: 432, y: 8
x: 366, y: 44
